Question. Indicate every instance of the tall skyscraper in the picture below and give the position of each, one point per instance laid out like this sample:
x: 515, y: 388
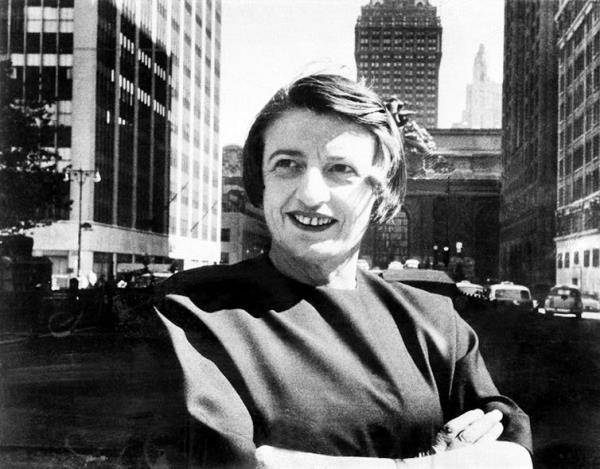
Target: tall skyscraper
x: 578, y: 182
x: 398, y: 50
x: 483, y: 98
x: 529, y: 145
x: 195, y: 187
x: 135, y: 86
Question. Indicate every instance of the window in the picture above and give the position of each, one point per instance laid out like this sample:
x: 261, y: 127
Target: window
x: 567, y: 261
x: 596, y: 258
x: 225, y: 235
x: 576, y: 258
x: 559, y: 260
x: 586, y: 258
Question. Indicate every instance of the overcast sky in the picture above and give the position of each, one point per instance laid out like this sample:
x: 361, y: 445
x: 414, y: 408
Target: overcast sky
x: 265, y: 43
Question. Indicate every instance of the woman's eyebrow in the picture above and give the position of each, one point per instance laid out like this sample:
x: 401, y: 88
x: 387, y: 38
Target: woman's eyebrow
x: 338, y: 158
x: 284, y: 151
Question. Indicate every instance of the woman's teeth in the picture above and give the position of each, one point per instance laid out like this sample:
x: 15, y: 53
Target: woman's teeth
x: 313, y: 221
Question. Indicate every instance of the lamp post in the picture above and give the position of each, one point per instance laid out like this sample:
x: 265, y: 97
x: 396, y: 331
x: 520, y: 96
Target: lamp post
x: 81, y: 175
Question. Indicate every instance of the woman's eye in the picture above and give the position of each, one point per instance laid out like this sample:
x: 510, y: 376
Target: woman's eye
x: 285, y: 166
x: 343, y: 169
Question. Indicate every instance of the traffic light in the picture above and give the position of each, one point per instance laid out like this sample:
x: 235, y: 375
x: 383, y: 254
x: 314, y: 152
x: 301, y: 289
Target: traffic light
x: 435, y: 256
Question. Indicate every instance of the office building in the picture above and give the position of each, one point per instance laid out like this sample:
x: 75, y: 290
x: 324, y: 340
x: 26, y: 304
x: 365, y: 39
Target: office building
x: 578, y: 182
x: 135, y: 86
x: 195, y: 182
x: 483, y: 108
x: 529, y: 116
x: 398, y: 50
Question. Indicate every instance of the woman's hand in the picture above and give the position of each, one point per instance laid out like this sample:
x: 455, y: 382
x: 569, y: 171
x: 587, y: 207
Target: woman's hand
x: 467, y: 429
x: 462, y: 433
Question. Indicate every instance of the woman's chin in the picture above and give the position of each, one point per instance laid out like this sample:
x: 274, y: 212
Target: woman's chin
x: 322, y: 253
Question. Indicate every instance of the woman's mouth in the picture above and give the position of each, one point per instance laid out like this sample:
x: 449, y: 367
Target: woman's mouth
x: 313, y: 222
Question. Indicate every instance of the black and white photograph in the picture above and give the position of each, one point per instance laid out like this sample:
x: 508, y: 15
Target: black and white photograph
x: 300, y: 234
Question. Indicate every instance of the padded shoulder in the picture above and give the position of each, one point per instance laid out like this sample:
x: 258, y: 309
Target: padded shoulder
x: 424, y: 308
x: 186, y: 280
x: 253, y: 285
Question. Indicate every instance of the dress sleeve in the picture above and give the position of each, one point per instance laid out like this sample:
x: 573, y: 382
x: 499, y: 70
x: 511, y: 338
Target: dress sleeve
x: 472, y: 387
x: 224, y: 436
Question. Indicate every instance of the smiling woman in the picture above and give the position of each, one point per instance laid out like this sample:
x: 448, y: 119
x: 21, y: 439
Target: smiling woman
x: 318, y: 196
x: 299, y: 358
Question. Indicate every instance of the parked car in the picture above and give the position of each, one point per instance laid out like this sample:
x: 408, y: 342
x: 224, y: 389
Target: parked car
x: 591, y: 304
x: 564, y: 299
x: 507, y: 295
x: 471, y: 289
x: 395, y: 265
x: 412, y: 264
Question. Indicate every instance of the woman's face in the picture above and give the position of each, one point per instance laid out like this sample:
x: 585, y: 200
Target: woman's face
x: 317, y: 198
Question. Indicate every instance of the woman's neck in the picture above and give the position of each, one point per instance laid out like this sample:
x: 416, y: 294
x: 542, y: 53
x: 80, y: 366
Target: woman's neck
x: 331, y: 273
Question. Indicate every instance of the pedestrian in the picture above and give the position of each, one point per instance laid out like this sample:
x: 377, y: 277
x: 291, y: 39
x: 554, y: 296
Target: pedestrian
x: 297, y: 358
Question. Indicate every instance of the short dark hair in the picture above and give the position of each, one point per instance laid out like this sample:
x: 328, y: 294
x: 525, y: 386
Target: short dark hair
x: 333, y: 94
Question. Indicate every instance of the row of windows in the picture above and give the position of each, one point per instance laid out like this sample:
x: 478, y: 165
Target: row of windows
x: 49, y: 20
x: 585, y: 122
x: 580, y: 156
x: 577, y: 189
x: 397, y: 34
x: 399, y: 43
x: 591, y: 258
x: 566, y: 18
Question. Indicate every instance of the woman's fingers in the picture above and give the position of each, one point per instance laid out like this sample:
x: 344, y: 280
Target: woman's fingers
x: 480, y: 427
x: 452, y: 429
x: 468, y: 428
x: 457, y: 425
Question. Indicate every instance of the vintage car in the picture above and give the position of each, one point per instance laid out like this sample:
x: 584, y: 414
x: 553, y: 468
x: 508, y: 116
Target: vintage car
x: 564, y: 299
x: 509, y: 296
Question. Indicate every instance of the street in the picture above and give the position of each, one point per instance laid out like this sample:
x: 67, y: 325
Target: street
x: 551, y: 368
x: 113, y: 399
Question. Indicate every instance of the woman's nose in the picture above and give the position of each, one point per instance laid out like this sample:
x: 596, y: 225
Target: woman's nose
x: 313, y: 189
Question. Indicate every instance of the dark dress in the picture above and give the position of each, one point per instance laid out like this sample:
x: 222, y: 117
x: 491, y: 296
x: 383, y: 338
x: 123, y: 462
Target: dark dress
x: 374, y: 371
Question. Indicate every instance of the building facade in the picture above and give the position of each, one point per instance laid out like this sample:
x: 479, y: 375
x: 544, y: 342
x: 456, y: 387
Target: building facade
x: 135, y: 91
x: 195, y: 174
x: 398, y: 50
x: 483, y: 109
x: 460, y: 205
x: 578, y: 182
x: 529, y: 116
x: 244, y: 233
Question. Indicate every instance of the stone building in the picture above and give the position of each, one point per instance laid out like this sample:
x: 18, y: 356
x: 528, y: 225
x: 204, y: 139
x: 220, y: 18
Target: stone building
x: 529, y: 116
x: 136, y: 91
x: 578, y: 183
x: 398, y: 50
x: 443, y: 208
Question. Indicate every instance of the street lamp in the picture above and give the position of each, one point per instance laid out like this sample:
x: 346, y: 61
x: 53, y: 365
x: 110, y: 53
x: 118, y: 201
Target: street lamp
x: 80, y: 175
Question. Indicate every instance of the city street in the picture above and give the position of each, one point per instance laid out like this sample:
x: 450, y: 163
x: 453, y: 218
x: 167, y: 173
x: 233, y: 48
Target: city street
x: 113, y: 399
x: 551, y: 367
